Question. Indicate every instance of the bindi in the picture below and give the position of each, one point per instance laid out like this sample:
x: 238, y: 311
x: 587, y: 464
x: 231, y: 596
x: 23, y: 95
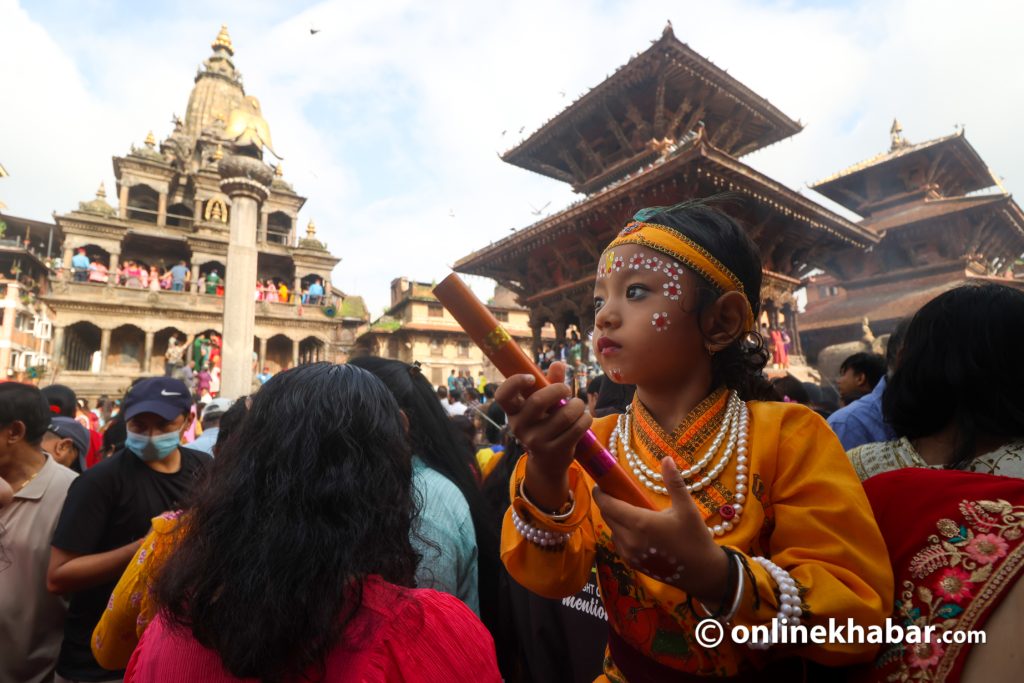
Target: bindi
x: 660, y: 321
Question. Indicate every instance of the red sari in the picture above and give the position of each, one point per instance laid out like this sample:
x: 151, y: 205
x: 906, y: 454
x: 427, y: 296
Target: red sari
x: 956, y: 542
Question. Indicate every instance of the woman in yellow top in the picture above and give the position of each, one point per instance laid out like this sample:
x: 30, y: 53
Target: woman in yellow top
x: 760, y: 514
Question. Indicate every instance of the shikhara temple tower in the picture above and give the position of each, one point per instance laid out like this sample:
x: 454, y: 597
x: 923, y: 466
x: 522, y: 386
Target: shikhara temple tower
x: 942, y: 219
x: 172, y: 207
x: 667, y: 126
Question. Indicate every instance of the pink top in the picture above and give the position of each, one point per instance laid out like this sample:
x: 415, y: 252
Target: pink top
x: 399, y: 634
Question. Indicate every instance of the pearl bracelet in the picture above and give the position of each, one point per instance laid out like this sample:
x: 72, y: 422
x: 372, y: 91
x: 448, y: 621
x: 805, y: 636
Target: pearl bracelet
x: 541, y: 537
x: 789, y: 598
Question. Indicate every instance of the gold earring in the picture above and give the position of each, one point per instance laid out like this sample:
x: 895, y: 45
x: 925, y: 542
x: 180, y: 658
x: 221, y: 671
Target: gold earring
x: 707, y: 347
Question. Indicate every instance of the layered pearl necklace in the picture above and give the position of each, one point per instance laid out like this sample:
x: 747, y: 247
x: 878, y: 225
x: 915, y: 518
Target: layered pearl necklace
x: 733, y: 432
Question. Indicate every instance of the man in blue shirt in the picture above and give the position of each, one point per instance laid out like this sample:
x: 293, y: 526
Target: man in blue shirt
x: 80, y: 266
x: 316, y: 293
x: 179, y: 275
x: 862, y: 420
x: 264, y: 376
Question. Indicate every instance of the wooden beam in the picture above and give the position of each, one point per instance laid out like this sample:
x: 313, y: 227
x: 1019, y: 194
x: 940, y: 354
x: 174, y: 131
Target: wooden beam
x: 588, y: 151
x: 672, y: 131
x: 573, y: 165
x: 660, y: 115
x: 616, y: 129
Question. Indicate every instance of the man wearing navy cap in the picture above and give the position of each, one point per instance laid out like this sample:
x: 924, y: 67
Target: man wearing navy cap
x: 108, y: 511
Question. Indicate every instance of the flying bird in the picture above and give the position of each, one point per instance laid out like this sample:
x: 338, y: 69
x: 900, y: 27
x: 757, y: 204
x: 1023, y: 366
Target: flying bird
x: 451, y: 213
x: 522, y: 129
x: 503, y: 133
x: 536, y: 211
x: 313, y: 31
x: 562, y: 93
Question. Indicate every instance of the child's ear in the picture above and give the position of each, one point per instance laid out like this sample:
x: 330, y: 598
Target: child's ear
x: 723, y: 321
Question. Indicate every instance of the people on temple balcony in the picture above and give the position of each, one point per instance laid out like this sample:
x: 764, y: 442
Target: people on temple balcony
x: 80, y: 266
x: 757, y: 514
x: 212, y: 282
x: 862, y: 421
x: 315, y: 294
x: 174, y: 357
x: 259, y: 290
x: 154, y: 279
x: 132, y: 275
x: 166, y: 280
x: 97, y: 272
x: 203, y: 384
x: 858, y: 376
x: 179, y: 276
x: 270, y: 291
x: 282, y: 292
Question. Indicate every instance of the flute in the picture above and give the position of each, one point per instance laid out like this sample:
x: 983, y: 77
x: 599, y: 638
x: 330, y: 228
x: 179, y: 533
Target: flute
x: 504, y: 352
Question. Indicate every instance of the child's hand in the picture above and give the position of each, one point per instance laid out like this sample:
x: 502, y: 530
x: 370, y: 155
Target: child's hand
x: 673, y: 545
x: 547, y: 430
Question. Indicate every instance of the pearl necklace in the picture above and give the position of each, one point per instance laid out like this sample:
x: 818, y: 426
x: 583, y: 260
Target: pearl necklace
x: 733, y: 431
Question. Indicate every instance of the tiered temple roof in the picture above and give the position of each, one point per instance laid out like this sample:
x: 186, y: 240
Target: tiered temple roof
x: 649, y: 103
x: 667, y: 126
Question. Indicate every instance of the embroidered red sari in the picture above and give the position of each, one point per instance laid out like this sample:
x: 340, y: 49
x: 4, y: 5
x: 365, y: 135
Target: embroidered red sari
x: 956, y: 542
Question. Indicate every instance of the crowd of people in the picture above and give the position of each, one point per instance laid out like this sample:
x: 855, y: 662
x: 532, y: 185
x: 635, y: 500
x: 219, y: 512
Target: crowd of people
x: 178, y: 278
x: 355, y: 523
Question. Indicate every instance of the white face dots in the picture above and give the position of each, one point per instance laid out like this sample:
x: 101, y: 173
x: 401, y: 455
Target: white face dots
x: 660, y: 321
x: 616, y: 374
x: 609, y: 263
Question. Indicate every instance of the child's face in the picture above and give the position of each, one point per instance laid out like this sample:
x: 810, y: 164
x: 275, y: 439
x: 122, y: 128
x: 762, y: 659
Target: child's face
x: 646, y: 329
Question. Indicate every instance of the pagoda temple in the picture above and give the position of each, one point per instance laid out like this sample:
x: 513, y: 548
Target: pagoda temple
x: 667, y: 126
x: 111, y: 328
x: 942, y: 219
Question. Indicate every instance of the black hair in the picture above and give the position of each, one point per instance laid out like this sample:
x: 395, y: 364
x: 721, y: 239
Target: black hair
x: 489, y: 390
x: 613, y: 398
x: 312, y: 495
x: 594, y: 386
x: 739, y: 365
x: 960, y: 364
x: 442, y: 392
x: 495, y: 423
x: 466, y: 429
x: 230, y: 421
x: 871, y: 365
x: 25, y: 403
x: 894, y: 344
x: 62, y: 398
x: 790, y: 387
x: 438, y: 442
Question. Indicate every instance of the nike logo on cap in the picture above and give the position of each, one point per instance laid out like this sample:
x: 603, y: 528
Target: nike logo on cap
x: 164, y: 392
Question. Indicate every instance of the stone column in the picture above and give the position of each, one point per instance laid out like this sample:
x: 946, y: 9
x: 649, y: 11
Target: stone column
x: 295, y: 352
x: 197, y: 211
x: 104, y: 349
x: 112, y: 269
x: 246, y: 180
x: 264, y: 217
x: 68, y: 255
x: 57, y: 346
x: 122, y: 202
x: 297, y: 290
x: 194, y: 285
x: 161, y: 209
x: 147, y: 356
x: 263, y: 353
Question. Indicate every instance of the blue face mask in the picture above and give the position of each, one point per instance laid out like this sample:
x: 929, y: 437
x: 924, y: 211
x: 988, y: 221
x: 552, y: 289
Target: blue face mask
x: 151, y: 448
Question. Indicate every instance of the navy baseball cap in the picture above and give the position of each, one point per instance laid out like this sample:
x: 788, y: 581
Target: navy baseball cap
x: 165, y: 396
x: 68, y: 428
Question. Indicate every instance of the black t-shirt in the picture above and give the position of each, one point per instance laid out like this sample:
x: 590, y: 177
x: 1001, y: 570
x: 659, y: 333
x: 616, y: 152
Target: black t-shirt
x: 108, y: 507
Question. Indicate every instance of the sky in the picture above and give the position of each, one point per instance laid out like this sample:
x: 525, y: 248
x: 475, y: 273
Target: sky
x: 391, y: 117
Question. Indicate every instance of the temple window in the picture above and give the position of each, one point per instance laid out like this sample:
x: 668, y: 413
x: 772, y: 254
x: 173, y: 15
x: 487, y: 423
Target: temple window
x: 142, y: 203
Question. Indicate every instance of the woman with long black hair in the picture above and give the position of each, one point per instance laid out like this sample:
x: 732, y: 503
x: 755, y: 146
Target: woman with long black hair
x: 295, y: 560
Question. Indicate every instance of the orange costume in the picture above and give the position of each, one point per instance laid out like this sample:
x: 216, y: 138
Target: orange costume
x: 131, y: 606
x: 805, y: 510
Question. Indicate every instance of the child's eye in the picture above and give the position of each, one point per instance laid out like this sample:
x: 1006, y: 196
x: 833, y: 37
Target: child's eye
x: 636, y: 291
x: 598, y: 303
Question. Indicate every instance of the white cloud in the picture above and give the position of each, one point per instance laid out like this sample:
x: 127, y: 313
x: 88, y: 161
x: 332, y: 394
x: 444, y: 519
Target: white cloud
x: 391, y: 116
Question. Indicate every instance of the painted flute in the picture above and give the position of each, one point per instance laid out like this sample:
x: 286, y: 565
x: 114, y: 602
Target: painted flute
x: 504, y: 352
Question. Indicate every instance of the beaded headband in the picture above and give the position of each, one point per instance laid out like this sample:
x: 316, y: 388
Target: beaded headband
x: 672, y: 243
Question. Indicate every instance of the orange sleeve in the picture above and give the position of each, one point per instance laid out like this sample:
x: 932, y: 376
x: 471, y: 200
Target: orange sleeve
x: 551, y: 573
x: 131, y: 606
x: 824, y: 535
